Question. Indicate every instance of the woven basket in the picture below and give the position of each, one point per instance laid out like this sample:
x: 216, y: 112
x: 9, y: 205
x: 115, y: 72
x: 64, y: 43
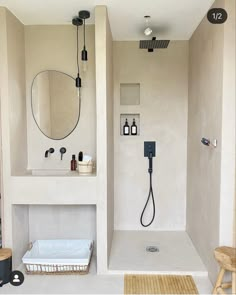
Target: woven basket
x: 57, y: 269
x: 53, y: 269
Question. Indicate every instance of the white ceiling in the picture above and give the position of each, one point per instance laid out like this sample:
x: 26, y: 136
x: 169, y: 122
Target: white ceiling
x: 171, y: 19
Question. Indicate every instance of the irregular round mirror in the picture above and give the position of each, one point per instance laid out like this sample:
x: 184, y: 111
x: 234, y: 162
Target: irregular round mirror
x: 55, y: 103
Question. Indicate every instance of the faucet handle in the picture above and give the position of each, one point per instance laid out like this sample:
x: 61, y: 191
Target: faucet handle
x: 62, y: 151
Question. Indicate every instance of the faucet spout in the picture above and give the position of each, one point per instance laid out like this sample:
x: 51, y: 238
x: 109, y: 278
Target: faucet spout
x: 50, y: 151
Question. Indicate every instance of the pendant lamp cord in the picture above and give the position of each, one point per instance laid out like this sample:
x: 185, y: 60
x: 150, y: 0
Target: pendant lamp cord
x: 84, y: 33
x: 77, y: 54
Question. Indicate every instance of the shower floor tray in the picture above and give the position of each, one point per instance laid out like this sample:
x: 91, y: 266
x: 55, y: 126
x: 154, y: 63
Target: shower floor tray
x: 175, y: 253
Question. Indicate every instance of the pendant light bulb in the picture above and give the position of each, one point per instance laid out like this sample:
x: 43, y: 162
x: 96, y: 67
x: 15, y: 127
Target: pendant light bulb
x: 84, y: 54
x: 78, y: 85
x: 78, y: 81
x: 84, y: 65
x: 84, y: 58
x: 78, y: 92
x: 148, y: 30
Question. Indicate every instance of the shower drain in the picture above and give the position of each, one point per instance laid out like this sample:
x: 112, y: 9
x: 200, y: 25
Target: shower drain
x: 152, y: 249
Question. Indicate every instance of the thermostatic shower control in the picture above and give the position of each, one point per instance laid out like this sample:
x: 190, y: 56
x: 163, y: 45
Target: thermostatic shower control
x: 149, y: 149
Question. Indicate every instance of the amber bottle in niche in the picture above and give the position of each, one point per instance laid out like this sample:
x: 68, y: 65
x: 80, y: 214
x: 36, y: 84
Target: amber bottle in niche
x: 73, y: 163
x: 126, y: 128
x: 134, y: 129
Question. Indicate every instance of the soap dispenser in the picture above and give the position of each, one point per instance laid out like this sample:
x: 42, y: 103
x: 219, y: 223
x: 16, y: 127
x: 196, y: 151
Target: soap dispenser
x: 134, y: 128
x: 126, y: 128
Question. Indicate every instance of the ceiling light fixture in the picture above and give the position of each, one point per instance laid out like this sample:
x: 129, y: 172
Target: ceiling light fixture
x: 84, y: 14
x: 76, y: 21
x: 148, y: 30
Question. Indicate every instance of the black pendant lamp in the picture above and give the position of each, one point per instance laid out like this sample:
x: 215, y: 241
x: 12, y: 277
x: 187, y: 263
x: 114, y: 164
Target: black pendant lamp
x: 76, y: 21
x: 84, y: 14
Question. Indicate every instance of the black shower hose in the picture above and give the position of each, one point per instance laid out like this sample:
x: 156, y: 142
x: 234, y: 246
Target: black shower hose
x: 150, y: 195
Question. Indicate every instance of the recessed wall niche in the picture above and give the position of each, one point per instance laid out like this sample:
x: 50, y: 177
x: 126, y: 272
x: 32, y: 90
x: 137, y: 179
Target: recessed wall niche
x: 130, y: 118
x: 129, y: 93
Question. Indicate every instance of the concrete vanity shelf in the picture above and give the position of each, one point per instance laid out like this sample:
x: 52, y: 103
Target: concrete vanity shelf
x: 58, y: 172
x: 30, y: 189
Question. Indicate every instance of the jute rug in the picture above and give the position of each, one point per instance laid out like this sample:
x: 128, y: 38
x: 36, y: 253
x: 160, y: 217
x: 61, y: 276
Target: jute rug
x: 159, y: 284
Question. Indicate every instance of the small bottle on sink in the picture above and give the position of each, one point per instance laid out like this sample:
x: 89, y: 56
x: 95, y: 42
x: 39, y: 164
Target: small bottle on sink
x: 73, y: 163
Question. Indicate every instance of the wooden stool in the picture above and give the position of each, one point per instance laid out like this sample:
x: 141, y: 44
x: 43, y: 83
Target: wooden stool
x: 226, y: 257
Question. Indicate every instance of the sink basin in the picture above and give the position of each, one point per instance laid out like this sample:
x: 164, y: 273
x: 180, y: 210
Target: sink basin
x: 53, y: 172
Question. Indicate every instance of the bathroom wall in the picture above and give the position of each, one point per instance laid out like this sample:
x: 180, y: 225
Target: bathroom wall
x: 110, y: 136
x: 62, y: 222
x: 163, y: 78
x: 54, y: 47
x: 104, y: 106
x: 16, y: 92
x: 17, y: 102
x: 228, y: 168
x: 209, y: 106
x: 13, y: 110
x: 20, y: 233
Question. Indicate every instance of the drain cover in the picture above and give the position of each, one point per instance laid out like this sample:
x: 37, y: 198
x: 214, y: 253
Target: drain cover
x: 152, y: 249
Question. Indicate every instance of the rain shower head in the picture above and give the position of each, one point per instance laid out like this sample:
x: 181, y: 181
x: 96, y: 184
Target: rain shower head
x: 153, y: 44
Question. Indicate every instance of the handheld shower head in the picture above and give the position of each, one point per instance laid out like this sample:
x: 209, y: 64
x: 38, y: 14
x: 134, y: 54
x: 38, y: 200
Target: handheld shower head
x: 205, y: 141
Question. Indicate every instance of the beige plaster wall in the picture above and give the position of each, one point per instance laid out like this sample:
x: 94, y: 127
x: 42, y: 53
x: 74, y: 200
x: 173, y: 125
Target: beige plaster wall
x: 110, y: 136
x: 20, y: 233
x: 62, y: 222
x: 211, y: 172
x: 13, y: 111
x: 5, y: 139
x: 54, y: 47
x: 16, y: 94
x: 104, y: 105
x: 163, y: 78
x: 228, y: 168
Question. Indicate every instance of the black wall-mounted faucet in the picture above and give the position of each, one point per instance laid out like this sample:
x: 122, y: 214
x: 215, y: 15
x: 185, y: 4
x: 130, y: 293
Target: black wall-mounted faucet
x: 62, y: 151
x: 50, y: 151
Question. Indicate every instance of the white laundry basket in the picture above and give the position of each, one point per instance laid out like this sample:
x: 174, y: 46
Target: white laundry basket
x: 59, y: 257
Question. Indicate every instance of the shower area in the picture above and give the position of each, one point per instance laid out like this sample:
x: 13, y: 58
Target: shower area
x: 176, y: 96
x: 151, y: 87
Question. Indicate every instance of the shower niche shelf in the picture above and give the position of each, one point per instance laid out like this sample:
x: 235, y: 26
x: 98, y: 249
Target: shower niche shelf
x: 129, y: 94
x: 130, y: 118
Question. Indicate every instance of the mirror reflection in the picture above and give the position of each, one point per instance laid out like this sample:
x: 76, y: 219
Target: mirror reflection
x: 55, y: 103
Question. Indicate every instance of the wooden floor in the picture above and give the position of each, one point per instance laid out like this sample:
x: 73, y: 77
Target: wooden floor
x: 159, y: 284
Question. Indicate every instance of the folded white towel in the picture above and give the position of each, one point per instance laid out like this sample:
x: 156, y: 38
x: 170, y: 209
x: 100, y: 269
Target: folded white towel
x: 87, y: 158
